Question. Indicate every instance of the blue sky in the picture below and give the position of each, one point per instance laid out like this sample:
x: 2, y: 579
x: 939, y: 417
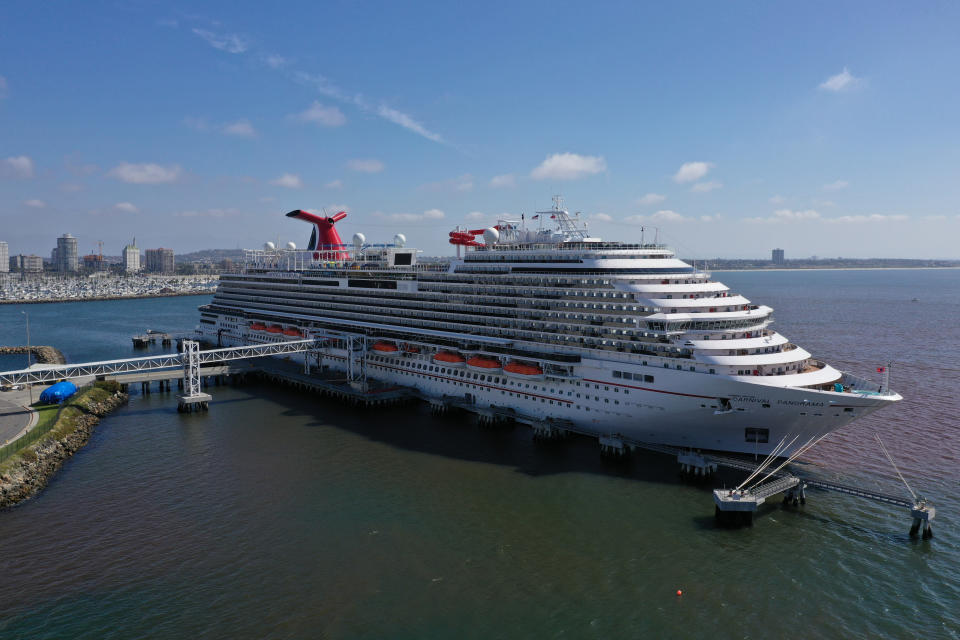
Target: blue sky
x: 823, y: 128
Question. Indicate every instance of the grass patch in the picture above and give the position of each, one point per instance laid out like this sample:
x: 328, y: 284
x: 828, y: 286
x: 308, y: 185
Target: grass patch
x: 50, y: 426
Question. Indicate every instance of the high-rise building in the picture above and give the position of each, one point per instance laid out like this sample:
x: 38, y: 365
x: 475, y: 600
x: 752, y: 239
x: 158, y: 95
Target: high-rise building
x: 159, y: 260
x: 4, y: 257
x: 26, y: 264
x: 131, y: 258
x: 777, y: 256
x: 66, y: 258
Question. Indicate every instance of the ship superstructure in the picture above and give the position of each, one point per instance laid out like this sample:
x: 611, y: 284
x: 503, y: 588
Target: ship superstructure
x: 609, y: 337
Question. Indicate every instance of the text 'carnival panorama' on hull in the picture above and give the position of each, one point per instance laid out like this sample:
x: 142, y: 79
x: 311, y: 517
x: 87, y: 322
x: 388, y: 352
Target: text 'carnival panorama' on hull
x: 552, y: 324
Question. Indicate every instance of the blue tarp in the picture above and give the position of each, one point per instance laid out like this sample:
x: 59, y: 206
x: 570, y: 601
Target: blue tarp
x: 58, y: 392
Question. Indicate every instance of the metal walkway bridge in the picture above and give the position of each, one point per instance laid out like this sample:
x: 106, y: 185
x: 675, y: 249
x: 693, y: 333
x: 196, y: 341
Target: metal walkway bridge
x: 40, y: 374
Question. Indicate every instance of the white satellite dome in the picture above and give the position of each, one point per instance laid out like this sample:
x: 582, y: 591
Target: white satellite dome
x: 292, y: 246
x: 358, y: 240
x: 399, y: 239
x: 269, y: 246
x: 490, y: 236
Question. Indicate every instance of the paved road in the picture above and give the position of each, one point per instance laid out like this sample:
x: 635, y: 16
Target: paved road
x: 13, y: 418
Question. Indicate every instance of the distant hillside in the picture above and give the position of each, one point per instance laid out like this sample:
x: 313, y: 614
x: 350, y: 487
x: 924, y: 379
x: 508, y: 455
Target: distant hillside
x: 211, y: 256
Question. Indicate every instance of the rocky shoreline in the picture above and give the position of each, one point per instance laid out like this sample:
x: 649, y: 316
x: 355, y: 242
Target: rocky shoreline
x: 38, y: 463
x: 43, y: 354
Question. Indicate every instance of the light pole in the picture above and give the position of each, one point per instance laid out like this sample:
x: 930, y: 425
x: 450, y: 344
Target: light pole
x: 29, y: 353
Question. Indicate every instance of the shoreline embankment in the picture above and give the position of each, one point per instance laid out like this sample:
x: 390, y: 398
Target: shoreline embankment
x: 30, y: 469
x: 138, y: 296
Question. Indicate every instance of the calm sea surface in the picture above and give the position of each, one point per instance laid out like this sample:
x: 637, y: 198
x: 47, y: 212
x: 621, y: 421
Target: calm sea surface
x: 281, y: 515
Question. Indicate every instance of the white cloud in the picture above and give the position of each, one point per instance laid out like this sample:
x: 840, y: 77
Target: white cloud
x: 17, y: 167
x: 714, y: 218
x: 129, y: 207
x: 651, y: 198
x: 664, y: 215
x: 777, y: 200
x: 36, y: 204
x: 476, y: 215
x: 288, y: 180
x: 200, y: 124
x: 366, y: 166
x: 334, y: 184
x: 318, y: 113
x: 706, y: 187
x: 337, y: 208
x: 506, y: 180
x: 230, y: 42
x: 787, y: 215
x: 876, y: 217
x: 146, y: 173
x: 71, y: 187
x: 601, y: 217
x: 568, y: 166
x: 241, y: 128
x: 841, y: 82
x: 275, y: 61
x: 407, y: 122
x: 692, y: 171
x: 429, y: 214
x: 824, y: 203
x: 836, y: 186
x: 460, y: 184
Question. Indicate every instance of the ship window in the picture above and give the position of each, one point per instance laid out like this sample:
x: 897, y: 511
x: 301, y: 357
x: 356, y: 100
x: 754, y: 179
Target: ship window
x: 648, y: 378
x: 627, y: 376
x: 617, y: 374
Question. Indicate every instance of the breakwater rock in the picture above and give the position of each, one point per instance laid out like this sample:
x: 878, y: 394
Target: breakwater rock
x: 43, y: 354
x: 35, y: 465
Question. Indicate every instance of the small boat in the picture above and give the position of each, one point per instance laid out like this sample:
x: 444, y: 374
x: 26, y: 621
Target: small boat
x: 274, y: 328
x: 258, y: 326
x: 448, y: 358
x: 292, y: 332
x: 483, y: 363
x: 522, y: 370
x: 385, y: 347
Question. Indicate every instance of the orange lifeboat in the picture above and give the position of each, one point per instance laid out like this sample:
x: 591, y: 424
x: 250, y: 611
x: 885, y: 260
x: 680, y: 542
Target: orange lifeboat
x: 411, y: 348
x: 258, y: 326
x: 275, y: 328
x: 292, y: 332
x: 524, y: 370
x: 448, y: 358
x: 385, y: 347
x: 483, y: 363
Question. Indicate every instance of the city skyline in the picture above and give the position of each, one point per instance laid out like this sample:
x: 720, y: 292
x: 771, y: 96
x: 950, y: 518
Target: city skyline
x: 716, y: 124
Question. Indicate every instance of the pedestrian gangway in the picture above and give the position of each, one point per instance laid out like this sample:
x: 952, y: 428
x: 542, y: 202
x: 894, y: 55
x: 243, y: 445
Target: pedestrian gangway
x: 191, y: 355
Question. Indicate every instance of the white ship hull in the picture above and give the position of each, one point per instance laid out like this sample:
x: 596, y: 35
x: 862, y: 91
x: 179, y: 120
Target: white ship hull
x: 678, y: 408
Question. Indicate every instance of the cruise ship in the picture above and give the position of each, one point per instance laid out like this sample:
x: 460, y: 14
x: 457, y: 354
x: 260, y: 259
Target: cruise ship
x: 537, y: 318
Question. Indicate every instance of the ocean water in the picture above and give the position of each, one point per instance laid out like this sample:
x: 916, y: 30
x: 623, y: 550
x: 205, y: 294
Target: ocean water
x: 283, y: 515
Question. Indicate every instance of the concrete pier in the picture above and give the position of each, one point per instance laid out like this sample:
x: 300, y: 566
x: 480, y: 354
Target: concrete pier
x: 737, y: 506
x: 196, y: 402
x: 922, y: 515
